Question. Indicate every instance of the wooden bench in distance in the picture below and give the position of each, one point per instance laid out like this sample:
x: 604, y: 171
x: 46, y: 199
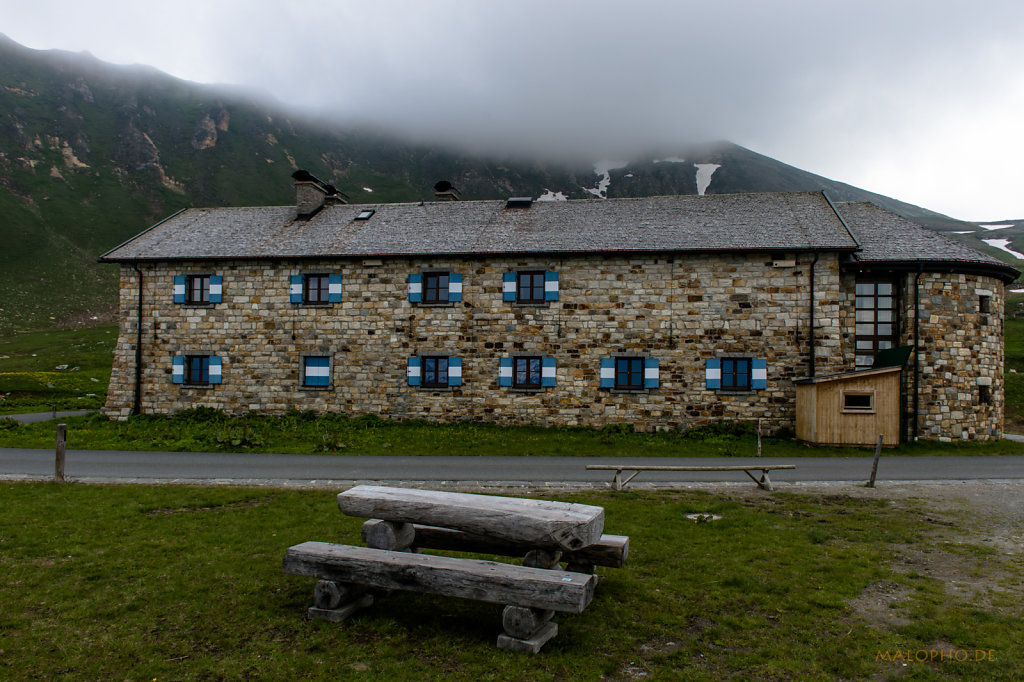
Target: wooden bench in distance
x: 764, y: 482
x: 540, y: 524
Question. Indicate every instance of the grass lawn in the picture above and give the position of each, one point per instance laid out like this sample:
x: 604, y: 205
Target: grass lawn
x: 69, y: 369
x: 171, y: 582
x: 205, y: 430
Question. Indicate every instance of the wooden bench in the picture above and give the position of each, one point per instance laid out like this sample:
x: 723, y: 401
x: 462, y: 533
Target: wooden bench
x: 764, y: 482
x: 403, y: 522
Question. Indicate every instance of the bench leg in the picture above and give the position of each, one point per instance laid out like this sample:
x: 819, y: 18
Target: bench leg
x: 526, y: 629
x: 335, y: 601
x: 618, y: 483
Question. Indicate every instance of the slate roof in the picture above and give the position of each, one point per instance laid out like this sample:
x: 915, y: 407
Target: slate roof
x: 723, y: 222
x: 799, y: 221
x: 888, y: 238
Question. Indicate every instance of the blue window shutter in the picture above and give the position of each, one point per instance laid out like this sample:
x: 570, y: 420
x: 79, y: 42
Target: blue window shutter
x: 508, y: 287
x: 412, y: 371
x: 454, y: 371
x: 334, y: 289
x: 607, y: 372
x: 179, y: 289
x: 651, y: 375
x: 215, y: 369
x: 758, y: 374
x: 316, y: 371
x: 712, y: 374
x: 178, y: 369
x: 504, y: 371
x: 296, y: 289
x: 550, y: 286
x: 454, y: 287
x: 415, y: 290
x: 547, y: 372
x: 216, y: 288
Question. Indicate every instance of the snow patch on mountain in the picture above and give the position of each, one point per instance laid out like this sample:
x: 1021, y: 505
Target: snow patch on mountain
x: 992, y: 226
x: 552, y: 196
x: 604, y: 170
x: 1003, y: 244
x: 367, y: 189
x: 704, y: 173
x: 670, y: 159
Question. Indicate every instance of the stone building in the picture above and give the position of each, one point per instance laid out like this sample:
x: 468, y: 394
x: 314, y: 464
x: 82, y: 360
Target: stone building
x: 658, y: 312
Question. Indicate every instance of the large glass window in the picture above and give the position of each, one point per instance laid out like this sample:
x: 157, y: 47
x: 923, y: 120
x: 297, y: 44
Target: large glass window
x: 875, y: 321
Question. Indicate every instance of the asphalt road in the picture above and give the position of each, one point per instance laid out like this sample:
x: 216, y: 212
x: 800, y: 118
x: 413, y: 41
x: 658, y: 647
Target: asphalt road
x: 333, y: 470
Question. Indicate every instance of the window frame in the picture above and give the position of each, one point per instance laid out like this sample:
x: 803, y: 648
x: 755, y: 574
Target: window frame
x: 303, y: 376
x: 438, y: 297
x: 630, y: 373
x: 528, y: 293
x: 425, y: 361
x: 855, y: 409
x: 203, y: 371
x: 528, y: 359
x: 867, y: 345
x: 203, y: 289
x: 323, y: 280
x: 747, y: 374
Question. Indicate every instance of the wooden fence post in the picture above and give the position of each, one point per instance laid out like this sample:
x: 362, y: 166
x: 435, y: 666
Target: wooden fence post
x: 62, y: 439
x: 874, y: 466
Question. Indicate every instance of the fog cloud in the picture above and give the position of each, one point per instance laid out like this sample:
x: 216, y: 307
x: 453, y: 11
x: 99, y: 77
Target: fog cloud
x: 917, y: 100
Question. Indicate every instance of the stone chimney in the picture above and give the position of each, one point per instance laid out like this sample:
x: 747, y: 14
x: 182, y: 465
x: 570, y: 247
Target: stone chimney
x: 445, y: 191
x: 312, y: 194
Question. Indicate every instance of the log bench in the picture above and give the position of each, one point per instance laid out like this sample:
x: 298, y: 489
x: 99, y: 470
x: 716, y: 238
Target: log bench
x: 403, y: 522
x: 764, y: 482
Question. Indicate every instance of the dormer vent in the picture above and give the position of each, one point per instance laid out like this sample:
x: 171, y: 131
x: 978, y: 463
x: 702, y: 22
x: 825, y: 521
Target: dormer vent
x: 519, y: 202
x: 445, y: 191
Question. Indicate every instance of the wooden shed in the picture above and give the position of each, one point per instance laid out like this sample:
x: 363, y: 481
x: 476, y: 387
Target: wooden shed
x: 850, y: 409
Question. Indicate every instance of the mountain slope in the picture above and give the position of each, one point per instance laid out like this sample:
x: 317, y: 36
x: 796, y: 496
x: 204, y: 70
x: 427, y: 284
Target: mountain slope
x: 91, y: 154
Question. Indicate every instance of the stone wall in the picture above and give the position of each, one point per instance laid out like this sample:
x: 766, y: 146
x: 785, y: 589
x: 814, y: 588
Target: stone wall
x: 681, y: 310
x: 960, y: 351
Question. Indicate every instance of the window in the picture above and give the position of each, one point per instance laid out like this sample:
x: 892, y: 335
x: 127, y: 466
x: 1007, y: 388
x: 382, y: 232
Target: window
x: 736, y: 374
x: 196, y: 370
x: 859, y: 401
x: 435, y: 287
x: 875, y: 319
x: 435, y: 372
x: 366, y: 214
x: 984, y: 304
x: 530, y: 287
x: 316, y: 371
x: 526, y: 372
x: 197, y: 289
x: 629, y: 373
x: 316, y: 288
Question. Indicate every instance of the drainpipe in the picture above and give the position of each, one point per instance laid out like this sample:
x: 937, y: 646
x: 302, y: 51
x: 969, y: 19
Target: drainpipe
x: 811, y: 329
x: 137, y: 407
x: 917, y: 348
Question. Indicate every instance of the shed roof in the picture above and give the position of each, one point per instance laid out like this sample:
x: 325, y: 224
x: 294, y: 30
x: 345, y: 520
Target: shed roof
x: 723, y: 222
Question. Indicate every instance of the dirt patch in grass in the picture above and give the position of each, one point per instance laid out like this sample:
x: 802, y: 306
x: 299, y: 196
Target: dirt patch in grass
x: 241, y: 504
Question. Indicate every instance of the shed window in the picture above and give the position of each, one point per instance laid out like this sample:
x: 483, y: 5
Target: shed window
x: 859, y: 401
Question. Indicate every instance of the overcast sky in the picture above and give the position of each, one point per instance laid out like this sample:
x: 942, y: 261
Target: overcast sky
x: 922, y: 101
